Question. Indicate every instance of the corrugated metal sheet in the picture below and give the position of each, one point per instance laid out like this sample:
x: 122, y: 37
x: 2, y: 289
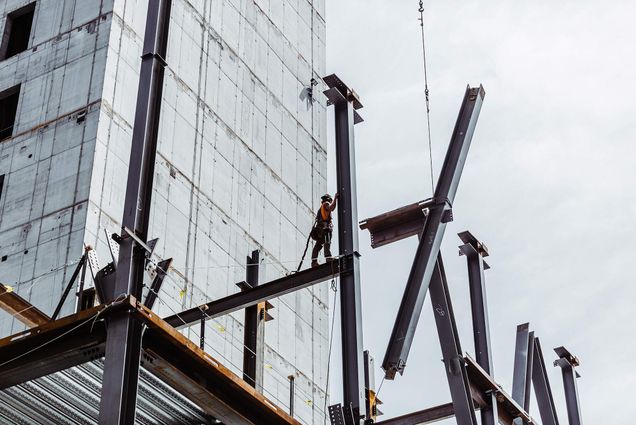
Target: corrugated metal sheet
x: 72, y: 397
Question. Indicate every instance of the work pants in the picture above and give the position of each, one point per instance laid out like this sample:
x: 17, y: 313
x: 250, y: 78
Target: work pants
x: 323, y: 241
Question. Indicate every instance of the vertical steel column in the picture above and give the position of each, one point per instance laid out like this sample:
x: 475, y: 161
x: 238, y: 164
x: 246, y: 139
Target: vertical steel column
x: 522, y: 374
x: 479, y: 309
x: 123, y: 342
x: 292, y: 392
x: 202, y: 332
x: 344, y: 101
x: 250, y: 334
x: 568, y: 362
x: 431, y: 237
x: 451, y: 347
x: 542, y: 389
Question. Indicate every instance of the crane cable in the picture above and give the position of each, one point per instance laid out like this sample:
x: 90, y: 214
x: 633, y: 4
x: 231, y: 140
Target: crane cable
x: 427, y: 93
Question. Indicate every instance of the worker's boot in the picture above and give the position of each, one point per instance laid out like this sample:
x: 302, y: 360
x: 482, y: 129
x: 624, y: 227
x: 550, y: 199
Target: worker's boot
x: 314, y: 263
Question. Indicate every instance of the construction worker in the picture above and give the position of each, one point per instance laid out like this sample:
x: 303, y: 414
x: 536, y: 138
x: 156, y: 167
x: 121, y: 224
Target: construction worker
x: 323, y: 228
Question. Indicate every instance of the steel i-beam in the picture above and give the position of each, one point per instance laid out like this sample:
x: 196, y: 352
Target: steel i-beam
x: 431, y: 236
x: 567, y: 362
x: 451, y: 348
x: 541, y: 386
x: 123, y: 342
x: 523, y: 364
x: 266, y: 291
x: 474, y: 252
x: 250, y: 337
x: 346, y: 103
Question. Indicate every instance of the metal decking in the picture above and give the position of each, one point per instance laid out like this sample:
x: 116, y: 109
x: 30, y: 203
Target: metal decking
x: 71, y: 397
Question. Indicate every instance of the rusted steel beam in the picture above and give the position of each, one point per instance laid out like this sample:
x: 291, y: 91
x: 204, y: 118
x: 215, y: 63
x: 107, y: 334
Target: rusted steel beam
x: 20, y: 308
x: 51, y: 347
x: 396, y: 225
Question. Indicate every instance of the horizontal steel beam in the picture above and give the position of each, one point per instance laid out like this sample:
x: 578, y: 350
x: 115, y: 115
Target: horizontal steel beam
x: 20, y: 308
x: 51, y: 347
x: 426, y: 416
x: 398, y: 224
x: 260, y: 293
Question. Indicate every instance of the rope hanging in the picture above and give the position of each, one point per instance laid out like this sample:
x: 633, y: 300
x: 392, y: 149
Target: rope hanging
x: 427, y: 93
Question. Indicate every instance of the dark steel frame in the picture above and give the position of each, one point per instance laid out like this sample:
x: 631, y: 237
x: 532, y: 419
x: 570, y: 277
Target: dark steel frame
x: 119, y: 333
x: 425, y: 257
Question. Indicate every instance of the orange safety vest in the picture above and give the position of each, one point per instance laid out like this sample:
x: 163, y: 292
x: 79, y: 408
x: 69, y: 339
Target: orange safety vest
x: 325, y: 213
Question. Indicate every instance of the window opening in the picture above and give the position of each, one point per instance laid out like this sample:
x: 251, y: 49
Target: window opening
x: 17, y: 31
x: 8, y: 109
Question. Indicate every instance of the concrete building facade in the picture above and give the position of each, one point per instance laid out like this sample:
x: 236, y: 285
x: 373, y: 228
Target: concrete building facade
x: 241, y: 161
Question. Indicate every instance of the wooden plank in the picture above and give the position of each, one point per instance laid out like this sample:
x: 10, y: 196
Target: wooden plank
x: 20, y: 308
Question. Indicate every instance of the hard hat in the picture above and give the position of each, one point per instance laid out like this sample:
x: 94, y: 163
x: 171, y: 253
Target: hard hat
x: 326, y: 197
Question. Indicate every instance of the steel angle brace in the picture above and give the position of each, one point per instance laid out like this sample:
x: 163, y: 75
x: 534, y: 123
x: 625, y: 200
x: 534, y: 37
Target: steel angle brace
x: 541, y: 385
x: 431, y: 237
x: 160, y: 274
x: 451, y: 348
x: 76, y: 273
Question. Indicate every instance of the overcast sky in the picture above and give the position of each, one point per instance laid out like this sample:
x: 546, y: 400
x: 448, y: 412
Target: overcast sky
x: 548, y: 184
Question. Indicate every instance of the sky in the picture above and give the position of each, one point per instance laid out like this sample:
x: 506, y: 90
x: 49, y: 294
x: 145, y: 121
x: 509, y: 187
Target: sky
x: 548, y: 184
